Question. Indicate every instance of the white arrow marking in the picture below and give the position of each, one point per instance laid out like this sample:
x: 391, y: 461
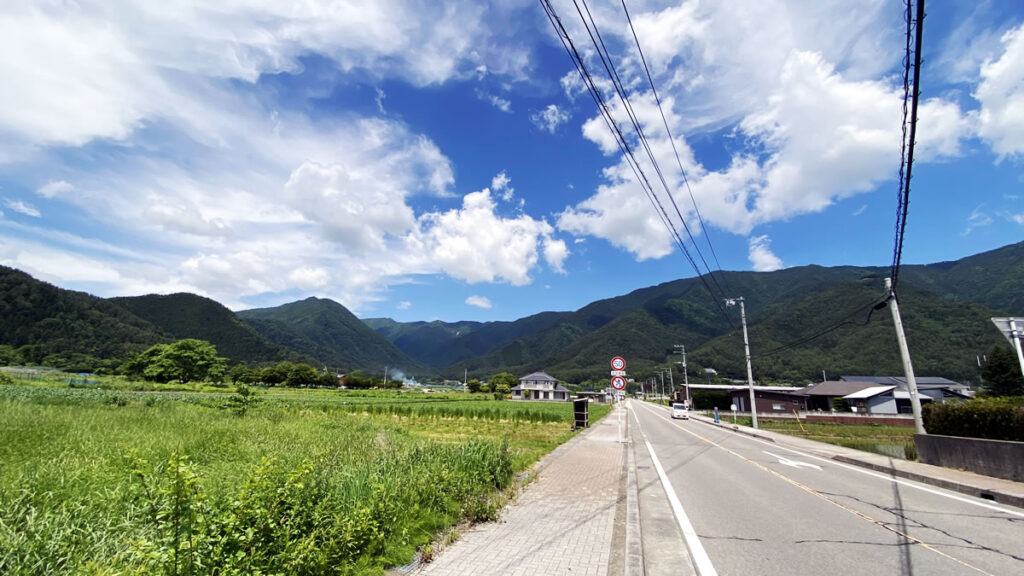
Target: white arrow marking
x: 793, y: 463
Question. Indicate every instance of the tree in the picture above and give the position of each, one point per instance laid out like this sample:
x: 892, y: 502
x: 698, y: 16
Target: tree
x: 240, y: 374
x: 473, y: 386
x: 301, y: 376
x: 503, y: 378
x: 1002, y: 373
x: 186, y: 360
x: 501, y: 391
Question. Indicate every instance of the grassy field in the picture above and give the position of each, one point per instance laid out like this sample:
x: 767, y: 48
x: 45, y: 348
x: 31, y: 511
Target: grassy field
x: 115, y: 481
x: 895, y: 441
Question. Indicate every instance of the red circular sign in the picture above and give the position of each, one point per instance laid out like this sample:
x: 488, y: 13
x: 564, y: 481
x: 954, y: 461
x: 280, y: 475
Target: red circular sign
x: 618, y: 382
x: 618, y: 363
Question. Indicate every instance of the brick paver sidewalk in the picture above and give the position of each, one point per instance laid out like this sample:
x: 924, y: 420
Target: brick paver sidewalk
x: 561, y: 523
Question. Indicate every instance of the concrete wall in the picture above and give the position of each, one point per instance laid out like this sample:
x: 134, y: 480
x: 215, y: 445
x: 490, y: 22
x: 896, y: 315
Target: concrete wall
x: 997, y: 458
x: 859, y: 419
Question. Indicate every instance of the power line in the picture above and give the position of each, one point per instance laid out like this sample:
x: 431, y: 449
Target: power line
x: 613, y: 126
x: 915, y: 28
x: 675, y: 151
x: 831, y: 328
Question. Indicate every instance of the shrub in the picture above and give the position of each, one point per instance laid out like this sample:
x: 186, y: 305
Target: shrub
x: 991, y: 418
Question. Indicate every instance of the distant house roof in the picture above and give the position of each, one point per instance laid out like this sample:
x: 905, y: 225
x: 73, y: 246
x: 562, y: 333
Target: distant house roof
x: 925, y: 382
x: 557, y: 388
x: 539, y: 377
x: 834, y: 388
x: 869, y: 392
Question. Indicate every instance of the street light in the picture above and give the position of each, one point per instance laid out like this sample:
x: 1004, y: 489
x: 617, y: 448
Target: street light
x: 746, y: 347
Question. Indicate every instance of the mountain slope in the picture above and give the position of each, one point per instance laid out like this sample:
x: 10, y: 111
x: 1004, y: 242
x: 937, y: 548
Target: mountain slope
x: 186, y: 315
x: 327, y: 331
x: 67, y: 329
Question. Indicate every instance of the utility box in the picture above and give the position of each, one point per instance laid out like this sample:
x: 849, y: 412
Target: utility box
x: 581, y: 413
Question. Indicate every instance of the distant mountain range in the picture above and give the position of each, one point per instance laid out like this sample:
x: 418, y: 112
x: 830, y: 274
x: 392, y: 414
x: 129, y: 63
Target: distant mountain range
x: 802, y: 321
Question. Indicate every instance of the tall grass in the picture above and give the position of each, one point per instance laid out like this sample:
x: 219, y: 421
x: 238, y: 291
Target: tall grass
x: 113, y: 481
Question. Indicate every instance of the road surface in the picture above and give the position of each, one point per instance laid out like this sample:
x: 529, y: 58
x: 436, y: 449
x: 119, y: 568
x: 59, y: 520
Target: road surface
x: 716, y: 502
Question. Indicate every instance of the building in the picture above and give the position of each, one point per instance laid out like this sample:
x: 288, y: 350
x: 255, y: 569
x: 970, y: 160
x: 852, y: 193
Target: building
x: 769, y: 399
x: 540, y: 386
x: 881, y: 394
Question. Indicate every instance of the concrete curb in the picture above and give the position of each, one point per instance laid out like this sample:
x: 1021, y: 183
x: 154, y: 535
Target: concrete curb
x: 634, y: 556
x: 984, y: 493
x: 1016, y: 500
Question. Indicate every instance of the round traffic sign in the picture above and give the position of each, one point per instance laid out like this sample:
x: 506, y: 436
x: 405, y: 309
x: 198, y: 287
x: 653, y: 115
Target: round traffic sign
x: 618, y: 363
x: 619, y: 383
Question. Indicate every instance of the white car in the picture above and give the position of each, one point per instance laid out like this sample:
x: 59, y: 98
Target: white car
x: 681, y: 411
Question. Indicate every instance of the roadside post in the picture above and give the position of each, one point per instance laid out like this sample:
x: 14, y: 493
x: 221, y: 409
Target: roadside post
x: 733, y: 407
x: 581, y: 413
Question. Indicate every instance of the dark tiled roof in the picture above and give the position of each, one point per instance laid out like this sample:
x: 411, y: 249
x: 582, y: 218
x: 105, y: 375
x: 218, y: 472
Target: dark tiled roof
x: 835, y: 388
x: 539, y: 376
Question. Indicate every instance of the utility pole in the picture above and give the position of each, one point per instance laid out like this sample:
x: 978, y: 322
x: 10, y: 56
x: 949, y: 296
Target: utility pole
x: 671, y: 385
x: 662, y: 374
x: 746, y: 348
x: 908, y: 367
x: 686, y: 380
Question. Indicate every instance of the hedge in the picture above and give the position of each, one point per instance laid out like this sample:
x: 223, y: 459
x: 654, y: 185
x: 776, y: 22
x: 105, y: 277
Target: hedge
x: 990, y: 418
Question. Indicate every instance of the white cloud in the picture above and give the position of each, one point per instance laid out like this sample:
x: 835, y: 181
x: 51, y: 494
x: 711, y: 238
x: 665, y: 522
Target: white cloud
x: 1001, y: 94
x: 404, y: 305
x: 555, y: 253
x: 498, y: 102
x: 134, y: 63
x: 550, y: 118
x: 861, y: 210
x: 479, y: 302
x: 977, y: 219
x: 761, y: 256
x: 500, y: 185
x: 53, y: 189
x: 1018, y: 218
x: 380, y: 100
x: 476, y: 245
x: 23, y: 208
x: 309, y: 278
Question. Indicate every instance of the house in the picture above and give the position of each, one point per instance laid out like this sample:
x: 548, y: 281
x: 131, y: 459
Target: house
x: 540, y: 386
x: 769, y: 398
x: 881, y: 394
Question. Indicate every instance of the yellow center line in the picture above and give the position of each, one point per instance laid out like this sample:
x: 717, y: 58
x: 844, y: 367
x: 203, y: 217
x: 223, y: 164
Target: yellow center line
x: 810, y: 490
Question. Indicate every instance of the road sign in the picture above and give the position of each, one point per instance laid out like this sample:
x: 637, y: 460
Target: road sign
x: 618, y: 363
x: 618, y: 372
x: 618, y: 382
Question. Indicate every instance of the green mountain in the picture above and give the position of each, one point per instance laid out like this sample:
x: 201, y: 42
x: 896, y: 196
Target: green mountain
x: 946, y: 309
x: 186, y: 315
x: 327, y: 331
x: 43, y: 324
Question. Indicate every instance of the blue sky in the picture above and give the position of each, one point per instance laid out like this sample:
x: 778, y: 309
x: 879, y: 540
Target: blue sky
x: 441, y: 160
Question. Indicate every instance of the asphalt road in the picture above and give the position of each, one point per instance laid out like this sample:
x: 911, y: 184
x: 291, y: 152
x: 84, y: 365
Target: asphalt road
x: 716, y: 502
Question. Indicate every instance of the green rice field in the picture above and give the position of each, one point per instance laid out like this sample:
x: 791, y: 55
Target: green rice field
x: 115, y: 481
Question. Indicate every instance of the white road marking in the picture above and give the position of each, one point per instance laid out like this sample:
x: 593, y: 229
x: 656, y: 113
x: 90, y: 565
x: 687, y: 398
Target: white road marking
x: 701, y: 560
x: 872, y: 473
x: 793, y: 463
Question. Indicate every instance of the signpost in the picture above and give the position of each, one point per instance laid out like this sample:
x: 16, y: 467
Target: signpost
x: 618, y: 373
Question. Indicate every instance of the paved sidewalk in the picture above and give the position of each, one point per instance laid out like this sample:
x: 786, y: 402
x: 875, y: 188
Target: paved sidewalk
x: 561, y: 523
x: 986, y: 487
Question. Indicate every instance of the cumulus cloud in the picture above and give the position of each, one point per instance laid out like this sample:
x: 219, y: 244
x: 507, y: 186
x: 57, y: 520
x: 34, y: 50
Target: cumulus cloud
x: 52, y: 189
x: 761, y: 256
x: 479, y: 302
x: 1001, y: 94
x: 500, y: 185
x: 550, y: 118
x: 475, y: 244
x: 22, y: 207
